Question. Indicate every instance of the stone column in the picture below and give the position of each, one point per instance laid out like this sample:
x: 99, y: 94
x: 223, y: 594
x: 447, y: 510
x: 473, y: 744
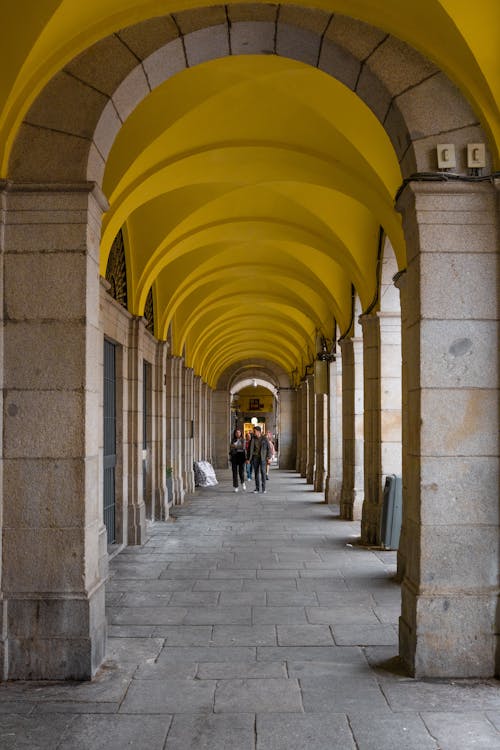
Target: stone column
x: 352, y: 429
x: 400, y: 283
x: 450, y: 588
x: 304, y: 436
x: 188, y: 427
x: 209, y: 422
x: 287, y: 428
x: 321, y: 431
x: 220, y: 429
x: 179, y: 484
x: 54, y: 556
x: 333, y: 488
x: 382, y: 414
x: 197, y: 418
x: 173, y: 429
x: 159, y: 454
x: 134, y: 450
x: 311, y: 430
x: 204, y: 429
x: 298, y: 431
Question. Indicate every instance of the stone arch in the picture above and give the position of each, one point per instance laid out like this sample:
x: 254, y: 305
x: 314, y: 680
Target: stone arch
x: 254, y: 368
x: 68, y: 132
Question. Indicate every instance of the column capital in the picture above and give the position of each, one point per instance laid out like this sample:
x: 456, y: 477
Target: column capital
x: 91, y: 188
x: 411, y: 191
x: 399, y: 279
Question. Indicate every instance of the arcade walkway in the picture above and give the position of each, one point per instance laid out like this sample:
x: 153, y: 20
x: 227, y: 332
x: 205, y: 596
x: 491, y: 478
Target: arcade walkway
x: 252, y: 623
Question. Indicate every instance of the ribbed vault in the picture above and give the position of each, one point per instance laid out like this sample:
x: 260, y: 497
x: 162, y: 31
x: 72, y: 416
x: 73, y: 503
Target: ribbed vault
x: 250, y: 188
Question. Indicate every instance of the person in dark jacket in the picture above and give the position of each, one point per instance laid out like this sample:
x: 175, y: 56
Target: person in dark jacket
x: 259, y: 452
x: 237, y: 454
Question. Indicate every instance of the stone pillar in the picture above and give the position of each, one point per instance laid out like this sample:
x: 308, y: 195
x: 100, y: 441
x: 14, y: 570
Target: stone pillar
x: 287, y: 428
x: 333, y: 488
x: 450, y: 587
x: 321, y: 431
x: 134, y: 449
x: 197, y: 385
x: 188, y: 427
x: 209, y: 423
x: 305, y: 429
x: 159, y: 454
x: 311, y: 430
x: 205, y: 424
x: 382, y: 414
x: 352, y: 429
x: 298, y: 431
x: 220, y: 429
x: 400, y: 283
x: 54, y: 556
x: 179, y: 484
x: 173, y: 428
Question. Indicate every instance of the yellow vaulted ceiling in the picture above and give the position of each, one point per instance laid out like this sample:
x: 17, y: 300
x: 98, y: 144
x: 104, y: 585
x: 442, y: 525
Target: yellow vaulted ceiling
x: 38, y: 37
x: 252, y: 188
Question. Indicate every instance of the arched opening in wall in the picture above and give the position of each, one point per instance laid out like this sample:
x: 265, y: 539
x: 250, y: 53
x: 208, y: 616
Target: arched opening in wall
x: 381, y: 326
x: 290, y: 194
x: 255, y: 402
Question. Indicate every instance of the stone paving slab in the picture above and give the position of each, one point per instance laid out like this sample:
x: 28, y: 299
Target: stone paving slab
x: 184, y: 635
x: 462, y: 731
x: 305, y: 635
x: 115, y: 733
x: 391, y: 732
x: 133, y: 650
x: 304, y: 732
x: 241, y: 670
x: 244, y: 635
x: 342, y: 694
x: 212, y: 732
x: 258, y: 695
x: 252, y: 624
x: 169, y: 696
x: 33, y: 732
x: 171, y: 654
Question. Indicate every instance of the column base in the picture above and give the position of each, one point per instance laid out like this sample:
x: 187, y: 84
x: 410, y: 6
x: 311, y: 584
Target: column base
x: 161, y: 504
x: 70, y: 640
x: 351, y: 505
x: 370, y: 523
x: 319, y: 482
x: 448, y: 636
x: 179, y: 492
x: 333, y: 491
x: 137, y: 524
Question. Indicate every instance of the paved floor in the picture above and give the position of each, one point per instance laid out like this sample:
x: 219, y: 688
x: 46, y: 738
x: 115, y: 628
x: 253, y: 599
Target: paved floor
x: 252, y: 622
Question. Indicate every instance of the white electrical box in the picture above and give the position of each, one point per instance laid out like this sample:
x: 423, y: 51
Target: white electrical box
x: 446, y: 158
x: 476, y: 155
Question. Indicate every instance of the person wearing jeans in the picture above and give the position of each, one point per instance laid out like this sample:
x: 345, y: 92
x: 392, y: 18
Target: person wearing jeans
x: 237, y: 453
x: 259, y: 452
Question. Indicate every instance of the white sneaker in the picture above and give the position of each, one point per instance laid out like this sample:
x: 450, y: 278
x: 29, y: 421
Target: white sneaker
x: 236, y: 489
x: 244, y: 486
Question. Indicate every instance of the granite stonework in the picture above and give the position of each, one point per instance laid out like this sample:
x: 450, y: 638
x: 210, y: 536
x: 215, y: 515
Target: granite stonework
x: 54, y: 563
x: 311, y: 430
x: 382, y: 414
x: 352, y: 428
x: 450, y: 558
x: 321, y: 432
x: 322, y: 674
x: 287, y: 427
x: 333, y: 487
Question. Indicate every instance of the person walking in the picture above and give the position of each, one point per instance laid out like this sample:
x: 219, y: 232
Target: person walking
x: 249, y: 466
x: 237, y: 454
x: 258, y: 454
x: 271, y: 454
